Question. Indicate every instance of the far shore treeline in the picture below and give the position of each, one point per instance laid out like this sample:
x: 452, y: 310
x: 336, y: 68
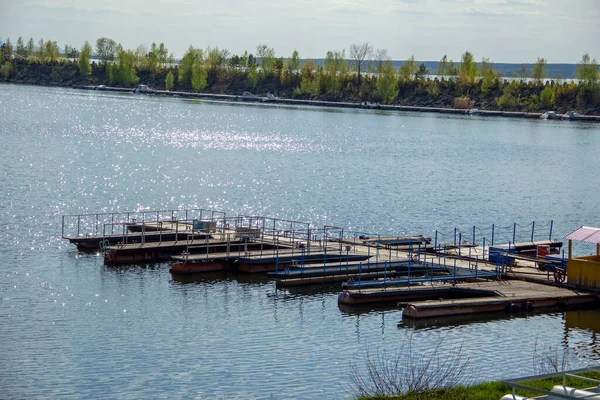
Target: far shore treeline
x: 362, y: 74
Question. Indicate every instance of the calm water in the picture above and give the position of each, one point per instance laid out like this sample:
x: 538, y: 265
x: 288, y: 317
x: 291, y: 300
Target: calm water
x: 72, y: 328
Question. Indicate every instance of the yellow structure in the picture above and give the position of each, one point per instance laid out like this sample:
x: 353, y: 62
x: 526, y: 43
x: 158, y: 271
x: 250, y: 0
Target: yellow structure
x: 584, y: 271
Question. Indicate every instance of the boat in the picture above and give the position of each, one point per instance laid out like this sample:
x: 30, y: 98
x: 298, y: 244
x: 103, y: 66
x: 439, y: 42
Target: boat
x: 269, y: 98
x: 571, y: 115
x: 247, y: 96
x: 548, y: 115
x: 472, y: 111
x: 142, y: 89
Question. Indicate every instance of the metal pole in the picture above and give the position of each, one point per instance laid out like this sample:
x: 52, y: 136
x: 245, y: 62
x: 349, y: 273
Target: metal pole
x: 550, y: 235
x: 473, y: 235
x: 514, y: 232
x: 532, y: 230
x: 493, y: 234
x: 455, y: 236
x: 436, y: 241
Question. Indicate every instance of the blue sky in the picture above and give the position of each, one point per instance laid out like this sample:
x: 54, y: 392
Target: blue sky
x: 503, y: 30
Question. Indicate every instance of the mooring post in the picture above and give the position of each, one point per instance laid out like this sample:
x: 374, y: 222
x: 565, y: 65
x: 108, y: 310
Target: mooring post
x: 455, y: 236
x: 483, y: 249
x: 435, y: 242
x: 532, y: 230
x: 550, y: 235
x: 359, y: 274
x: 492, y: 234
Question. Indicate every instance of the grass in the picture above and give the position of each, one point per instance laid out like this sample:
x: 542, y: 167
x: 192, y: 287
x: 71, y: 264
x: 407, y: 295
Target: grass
x: 487, y: 390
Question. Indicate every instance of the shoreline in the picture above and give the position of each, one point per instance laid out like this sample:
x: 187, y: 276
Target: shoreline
x: 324, y: 103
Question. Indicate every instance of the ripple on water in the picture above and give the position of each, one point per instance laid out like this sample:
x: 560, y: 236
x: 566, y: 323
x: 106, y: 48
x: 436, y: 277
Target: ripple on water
x: 72, y: 327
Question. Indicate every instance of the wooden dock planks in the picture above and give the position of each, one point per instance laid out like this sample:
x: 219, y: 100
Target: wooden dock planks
x: 511, y: 295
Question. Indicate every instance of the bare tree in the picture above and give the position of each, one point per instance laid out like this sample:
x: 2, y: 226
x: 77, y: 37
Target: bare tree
x: 359, y: 56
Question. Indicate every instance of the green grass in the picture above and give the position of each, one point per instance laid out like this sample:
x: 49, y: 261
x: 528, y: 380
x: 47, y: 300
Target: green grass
x: 487, y: 390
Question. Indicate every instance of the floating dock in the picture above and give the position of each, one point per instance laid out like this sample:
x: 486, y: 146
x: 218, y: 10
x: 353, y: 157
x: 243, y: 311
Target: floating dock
x: 508, y: 296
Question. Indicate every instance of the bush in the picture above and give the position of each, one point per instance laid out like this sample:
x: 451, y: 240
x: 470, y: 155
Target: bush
x: 547, y: 98
x: 463, y: 103
x: 507, y: 101
x: 408, y: 371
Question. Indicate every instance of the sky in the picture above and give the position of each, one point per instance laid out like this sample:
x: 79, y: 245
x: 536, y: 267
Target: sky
x: 512, y: 31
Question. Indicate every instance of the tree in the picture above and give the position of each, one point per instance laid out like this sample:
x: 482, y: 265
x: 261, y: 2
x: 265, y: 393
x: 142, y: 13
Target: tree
x: 85, y: 55
x: 359, y: 55
x: 539, y: 70
x: 40, y: 50
x: 21, y: 51
x: 71, y: 51
x: 267, y: 57
x: 293, y: 63
x: 444, y: 67
x: 335, y: 71
x: 126, y: 75
x: 547, y: 98
x: 169, y: 81
x: 106, y: 49
x: 30, y: 48
x: 387, y: 80
x: 191, y: 56
x: 408, y: 69
x: 488, y: 76
x: 421, y: 72
x: 7, y: 50
x: 468, y: 68
x: 199, y: 76
x: 309, y: 84
x: 587, y: 70
x: 51, y: 52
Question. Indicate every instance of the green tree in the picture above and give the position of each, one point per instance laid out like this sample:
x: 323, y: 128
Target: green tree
x: 468, y: 68
x: 587, y: 70
x: 293, y: 62
x: 309, y: 84
x: 40, y: 50
x: 421, y: 72
x: 169, y: 81
x: 252, y: 76
x: 267, y: 58
x: 199, y: 76
x: 126, y: 75
x: 387, y: 79
x: 85, y: 55
x: 21, y: 50
x: 408, y: 70
x: 7, y: 51
x: 445, y: 67
x: 30, y: 48
x: 547, y: 97
x: 335, y: 71
x: 51, y: 52
x: 488, y: 76
x: 191, y: 56
x: 359, y: 55
x: 107, y: 49
x: 539, y: 70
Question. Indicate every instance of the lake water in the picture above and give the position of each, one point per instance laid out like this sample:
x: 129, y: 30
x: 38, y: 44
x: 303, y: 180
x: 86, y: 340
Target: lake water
x: 71, y: 327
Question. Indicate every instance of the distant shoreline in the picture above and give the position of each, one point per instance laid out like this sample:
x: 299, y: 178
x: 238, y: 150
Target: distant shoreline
x: 325, y: 103
x: 363, y: 105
